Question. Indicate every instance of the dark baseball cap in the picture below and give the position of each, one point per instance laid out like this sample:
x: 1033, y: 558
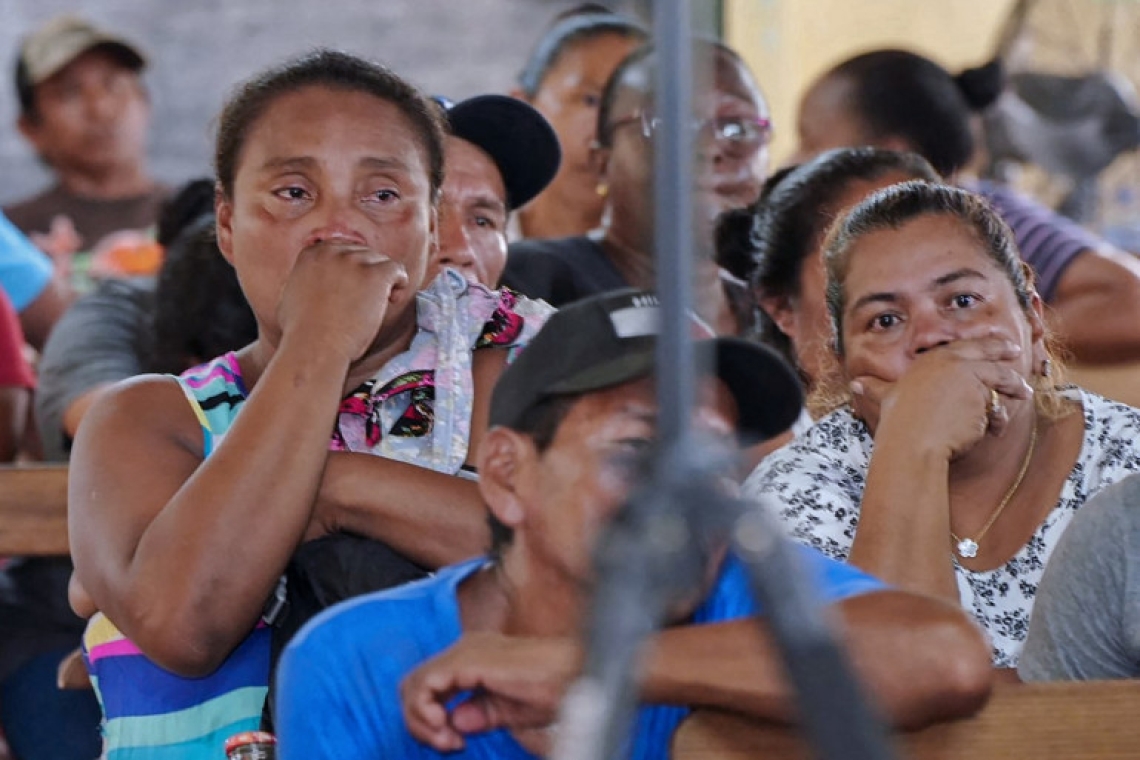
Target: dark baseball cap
x: 518, y: 139
x: 609, y: 339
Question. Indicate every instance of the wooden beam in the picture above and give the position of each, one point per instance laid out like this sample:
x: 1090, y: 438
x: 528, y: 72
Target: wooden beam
x: 1092, y: 720
x: 33, y: 510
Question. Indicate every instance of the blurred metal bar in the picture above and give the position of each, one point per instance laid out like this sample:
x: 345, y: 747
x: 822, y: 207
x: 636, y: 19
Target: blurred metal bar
x: 656, y: 543
x: 674, y: 240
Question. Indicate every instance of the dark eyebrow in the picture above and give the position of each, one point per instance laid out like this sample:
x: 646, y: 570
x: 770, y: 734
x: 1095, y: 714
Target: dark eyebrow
x: 376, y: 163
x: 489, y: 203
x: 964, y: 273
x: 874, y: 298
x: 639, y: 413
x: 285, y: 163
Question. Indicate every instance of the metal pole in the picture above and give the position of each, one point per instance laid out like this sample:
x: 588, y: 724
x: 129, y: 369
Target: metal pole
x: 639, y: 554
x: 653, y: 541
x: 673, y: 221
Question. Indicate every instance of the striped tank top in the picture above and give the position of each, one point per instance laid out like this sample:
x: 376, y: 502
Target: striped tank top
x: 416, y: 409
x: 149, y: 712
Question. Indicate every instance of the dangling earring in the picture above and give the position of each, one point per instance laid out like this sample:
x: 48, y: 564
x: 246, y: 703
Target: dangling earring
x: 602, y: 189
x: 1046, y: 368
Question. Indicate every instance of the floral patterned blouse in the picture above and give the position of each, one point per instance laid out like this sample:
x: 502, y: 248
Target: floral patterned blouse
x: 418, y: 407
x: 816, y: 485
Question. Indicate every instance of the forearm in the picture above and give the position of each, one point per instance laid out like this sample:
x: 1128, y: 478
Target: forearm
x: 80, y: 601
x: 205, y: 564
x: 14, y: 403
x: 1099, y: 328
x: 732, y: 665
x: 1096, y: 310
x: 920, y: 660
x: 432, y: 518
x: 40, y: 316
x: 904, y: 521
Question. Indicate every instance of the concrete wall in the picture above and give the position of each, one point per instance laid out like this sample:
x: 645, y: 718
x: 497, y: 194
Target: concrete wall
x: 200, y: 48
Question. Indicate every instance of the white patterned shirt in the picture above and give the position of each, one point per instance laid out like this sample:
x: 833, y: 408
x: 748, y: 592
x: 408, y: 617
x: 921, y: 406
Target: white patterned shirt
x: 816, y: 483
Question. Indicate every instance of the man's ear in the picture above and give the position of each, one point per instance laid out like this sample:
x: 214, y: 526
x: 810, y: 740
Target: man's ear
x: 505, y: 461
x: 30, y: 129
x: 224, y: 217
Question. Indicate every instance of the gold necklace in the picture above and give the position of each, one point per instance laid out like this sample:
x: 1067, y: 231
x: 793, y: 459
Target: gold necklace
x: 968, y: 547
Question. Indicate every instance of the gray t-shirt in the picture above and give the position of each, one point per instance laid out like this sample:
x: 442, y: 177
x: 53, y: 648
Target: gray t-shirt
x: 94, y: 218
x: 1086, y: 622
x: 101, y: 339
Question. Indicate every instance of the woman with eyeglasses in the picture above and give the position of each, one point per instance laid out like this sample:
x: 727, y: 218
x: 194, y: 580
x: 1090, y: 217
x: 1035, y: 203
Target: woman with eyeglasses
x: 731, y: 132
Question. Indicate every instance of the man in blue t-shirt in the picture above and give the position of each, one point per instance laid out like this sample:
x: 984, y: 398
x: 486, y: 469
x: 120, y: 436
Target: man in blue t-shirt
x: 475, y: 659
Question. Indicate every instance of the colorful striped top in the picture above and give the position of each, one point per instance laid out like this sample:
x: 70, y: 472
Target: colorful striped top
x: 416, y: 409
x: 149, y: 712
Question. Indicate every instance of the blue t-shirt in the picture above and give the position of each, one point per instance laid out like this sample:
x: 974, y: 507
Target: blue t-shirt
x: 338, y: 683
x: 24, y: 270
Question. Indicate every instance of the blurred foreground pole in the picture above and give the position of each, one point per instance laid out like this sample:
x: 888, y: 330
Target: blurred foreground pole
x: 657, y: 546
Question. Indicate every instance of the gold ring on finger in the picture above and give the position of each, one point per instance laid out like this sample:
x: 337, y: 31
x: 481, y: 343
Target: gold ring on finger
x: 994, y: 407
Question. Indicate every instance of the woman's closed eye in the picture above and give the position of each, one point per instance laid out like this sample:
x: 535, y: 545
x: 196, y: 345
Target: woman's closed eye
x: 384, y: 195
x: 292, y: 193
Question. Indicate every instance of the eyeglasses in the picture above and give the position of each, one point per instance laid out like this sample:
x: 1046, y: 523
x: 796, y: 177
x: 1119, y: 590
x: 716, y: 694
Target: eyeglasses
x: 737, y: 131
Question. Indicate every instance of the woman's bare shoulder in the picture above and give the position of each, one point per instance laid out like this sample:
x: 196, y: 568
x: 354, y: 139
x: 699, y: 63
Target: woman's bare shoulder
x: 146, y: 406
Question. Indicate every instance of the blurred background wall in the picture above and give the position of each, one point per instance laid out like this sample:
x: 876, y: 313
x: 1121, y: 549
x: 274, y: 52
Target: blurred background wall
x: 200, y: 48
x: 789, y: 43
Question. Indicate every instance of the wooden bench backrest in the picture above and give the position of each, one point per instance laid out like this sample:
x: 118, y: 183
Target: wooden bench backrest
x: 1119, y: 382
x: 1092, y: 720
x: 33, y: 510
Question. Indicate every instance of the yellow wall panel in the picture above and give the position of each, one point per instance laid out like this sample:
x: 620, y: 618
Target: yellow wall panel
x: 790, y: 42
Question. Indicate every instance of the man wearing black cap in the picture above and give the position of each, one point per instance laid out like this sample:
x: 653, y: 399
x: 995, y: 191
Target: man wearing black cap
x: 501, y: 153
x: 86, y: 113
x: 479, y: 655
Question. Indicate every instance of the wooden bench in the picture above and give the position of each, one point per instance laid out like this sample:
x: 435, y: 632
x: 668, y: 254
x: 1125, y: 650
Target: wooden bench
x: 1090, y: 720
x: 33, y: 510
x: 33, y: 516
